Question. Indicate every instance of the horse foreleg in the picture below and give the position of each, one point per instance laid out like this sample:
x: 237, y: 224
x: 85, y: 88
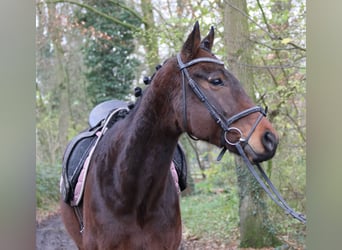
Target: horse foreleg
x: 71, y: 223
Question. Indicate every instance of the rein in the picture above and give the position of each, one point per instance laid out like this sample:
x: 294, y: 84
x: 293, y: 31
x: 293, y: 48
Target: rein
x: 270, y: 189
x: 225, y: 124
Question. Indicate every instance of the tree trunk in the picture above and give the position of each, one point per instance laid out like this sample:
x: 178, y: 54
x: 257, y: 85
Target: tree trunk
x: 150, y: 38
x: 255, y: 229
x: 61, y: 90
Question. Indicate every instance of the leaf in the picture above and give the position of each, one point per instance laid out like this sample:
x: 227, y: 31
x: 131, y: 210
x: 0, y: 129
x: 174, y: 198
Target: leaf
x: 286, y: 40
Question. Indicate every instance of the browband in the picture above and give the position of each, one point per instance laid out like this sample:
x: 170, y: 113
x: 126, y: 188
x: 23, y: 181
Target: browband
x: 197, y: 60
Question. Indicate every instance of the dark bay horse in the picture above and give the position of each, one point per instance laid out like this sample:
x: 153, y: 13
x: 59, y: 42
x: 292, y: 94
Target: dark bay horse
x: 130, y: 199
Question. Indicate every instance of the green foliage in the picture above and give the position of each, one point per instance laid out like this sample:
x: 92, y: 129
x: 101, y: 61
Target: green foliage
x: 210, y: 216
x: 47, y: 185
x: 220, y: 177
x: 46, y: 135
x: 109, y: 53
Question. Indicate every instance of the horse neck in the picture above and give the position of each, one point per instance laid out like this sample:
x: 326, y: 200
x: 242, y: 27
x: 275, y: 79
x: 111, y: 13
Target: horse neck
x: 145, y: 146
x: 151, y: 134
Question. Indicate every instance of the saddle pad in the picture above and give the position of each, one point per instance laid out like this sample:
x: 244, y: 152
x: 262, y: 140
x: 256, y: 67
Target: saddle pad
x: 79, y: 150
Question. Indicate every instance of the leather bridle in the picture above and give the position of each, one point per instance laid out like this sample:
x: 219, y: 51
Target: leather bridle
x: 225, y: 124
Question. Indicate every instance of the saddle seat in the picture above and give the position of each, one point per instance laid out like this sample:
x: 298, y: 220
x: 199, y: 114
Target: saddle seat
x: 79, y: 151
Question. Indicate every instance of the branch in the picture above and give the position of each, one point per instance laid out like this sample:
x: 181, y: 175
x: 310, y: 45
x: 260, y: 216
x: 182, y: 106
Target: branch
x: 301, y: 133
x: 274, y: 79
x: 90, y: 8
x: 281, y: 66
x: 248, y: 17
x: 269, y: 30
x: 273, y: 48
x: 264, y: 18
x: 297, y: 46
x: 201, y: 167
x: 133, y: 12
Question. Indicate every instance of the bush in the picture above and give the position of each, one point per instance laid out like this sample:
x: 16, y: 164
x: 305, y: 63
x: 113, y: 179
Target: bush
x: 47, y: 185
x: 220, y: 177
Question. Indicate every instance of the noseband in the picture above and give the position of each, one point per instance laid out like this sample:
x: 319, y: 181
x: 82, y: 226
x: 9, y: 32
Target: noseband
x: 225, y: 124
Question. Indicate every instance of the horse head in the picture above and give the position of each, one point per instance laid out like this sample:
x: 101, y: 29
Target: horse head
x: 213, y: 106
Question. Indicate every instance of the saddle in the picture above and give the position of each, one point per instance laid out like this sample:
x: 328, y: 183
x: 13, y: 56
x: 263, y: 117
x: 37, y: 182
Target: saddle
x: 79, y: 151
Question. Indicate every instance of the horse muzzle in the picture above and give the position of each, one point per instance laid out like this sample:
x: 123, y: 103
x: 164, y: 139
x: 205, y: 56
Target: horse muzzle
x: 269, y: 142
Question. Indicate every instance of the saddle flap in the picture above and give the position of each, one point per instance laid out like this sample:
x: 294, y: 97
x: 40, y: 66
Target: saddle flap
x: 74, y: 158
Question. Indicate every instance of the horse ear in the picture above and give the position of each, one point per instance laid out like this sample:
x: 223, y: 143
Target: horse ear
x: 208, y: 41
x: 191, y: 45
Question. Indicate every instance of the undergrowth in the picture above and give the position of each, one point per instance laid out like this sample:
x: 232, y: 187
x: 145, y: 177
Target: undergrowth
x: 212, y: 216
x: 212, y: 211
x: 47, y: 188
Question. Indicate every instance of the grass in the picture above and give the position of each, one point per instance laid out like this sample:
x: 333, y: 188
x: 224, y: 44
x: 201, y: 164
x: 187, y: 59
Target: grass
x: 213, y: 216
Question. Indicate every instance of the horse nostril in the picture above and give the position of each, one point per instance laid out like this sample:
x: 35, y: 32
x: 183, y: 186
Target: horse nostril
x: 269, y: 141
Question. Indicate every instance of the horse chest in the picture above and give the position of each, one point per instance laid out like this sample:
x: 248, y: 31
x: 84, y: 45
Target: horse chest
x: 131, y: 236
x: 138, y: 227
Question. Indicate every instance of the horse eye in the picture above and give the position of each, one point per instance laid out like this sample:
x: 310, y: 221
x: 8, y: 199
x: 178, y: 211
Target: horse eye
x: 216, y: 82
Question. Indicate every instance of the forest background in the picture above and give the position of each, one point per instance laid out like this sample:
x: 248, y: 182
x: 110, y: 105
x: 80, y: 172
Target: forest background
x: 91, y: 51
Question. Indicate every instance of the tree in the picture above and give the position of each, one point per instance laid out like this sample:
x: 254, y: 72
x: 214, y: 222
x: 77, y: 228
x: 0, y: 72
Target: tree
x: 150, y: 36
x: 61, y: 102
x: 109, y: 52
x: 255, y: 230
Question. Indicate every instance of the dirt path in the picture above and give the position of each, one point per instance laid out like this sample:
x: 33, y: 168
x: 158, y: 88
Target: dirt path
x: 51, y: 235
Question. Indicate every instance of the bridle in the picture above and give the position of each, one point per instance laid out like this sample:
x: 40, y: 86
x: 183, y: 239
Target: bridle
x: 225, y: 124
